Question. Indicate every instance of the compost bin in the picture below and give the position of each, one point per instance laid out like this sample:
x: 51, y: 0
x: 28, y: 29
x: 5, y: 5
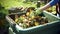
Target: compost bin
x: 48, y: 28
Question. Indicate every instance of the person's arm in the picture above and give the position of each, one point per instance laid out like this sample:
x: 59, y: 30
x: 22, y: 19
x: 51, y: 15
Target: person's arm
x: 51, y: 3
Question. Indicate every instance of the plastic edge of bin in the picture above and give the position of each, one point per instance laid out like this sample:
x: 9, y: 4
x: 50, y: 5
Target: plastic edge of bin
x: 51, y: 14
x: 10, y: 20
x: 40, y: 26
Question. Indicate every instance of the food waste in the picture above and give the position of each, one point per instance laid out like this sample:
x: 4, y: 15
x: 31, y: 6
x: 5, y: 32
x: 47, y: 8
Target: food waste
x: 30, y: 19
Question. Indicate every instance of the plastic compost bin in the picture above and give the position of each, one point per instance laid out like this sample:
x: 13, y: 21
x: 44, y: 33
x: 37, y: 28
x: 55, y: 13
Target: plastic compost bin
x: 48, y: 28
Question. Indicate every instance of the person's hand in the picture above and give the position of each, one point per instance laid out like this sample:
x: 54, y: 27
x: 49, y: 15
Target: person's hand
x: 38, y: 11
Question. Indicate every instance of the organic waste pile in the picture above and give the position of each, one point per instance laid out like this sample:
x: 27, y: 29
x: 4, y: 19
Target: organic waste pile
x: 30, y: 19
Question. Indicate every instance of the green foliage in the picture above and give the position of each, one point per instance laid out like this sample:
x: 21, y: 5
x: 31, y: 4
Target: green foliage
x: 18, y: 3
x: 15, y: 3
